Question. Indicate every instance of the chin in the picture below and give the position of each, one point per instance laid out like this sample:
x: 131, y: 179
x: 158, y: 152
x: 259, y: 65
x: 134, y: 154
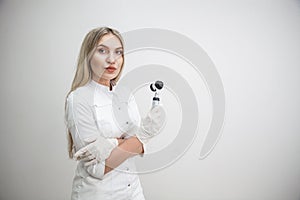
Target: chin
x: 109, y: 77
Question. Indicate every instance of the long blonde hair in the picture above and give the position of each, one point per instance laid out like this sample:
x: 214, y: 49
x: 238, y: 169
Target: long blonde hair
x: 84, y: 72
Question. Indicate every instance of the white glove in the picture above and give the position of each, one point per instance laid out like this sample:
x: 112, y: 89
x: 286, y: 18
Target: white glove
x: 151, y: 125
x: 98, y: 149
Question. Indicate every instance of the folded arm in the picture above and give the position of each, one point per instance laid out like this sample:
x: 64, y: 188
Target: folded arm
x: 126, y: 149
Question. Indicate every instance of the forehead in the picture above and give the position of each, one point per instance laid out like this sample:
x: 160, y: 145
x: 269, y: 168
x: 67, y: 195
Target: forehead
x: 110, y: 40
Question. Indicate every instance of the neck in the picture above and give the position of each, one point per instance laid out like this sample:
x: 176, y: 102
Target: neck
x: 104, y: 82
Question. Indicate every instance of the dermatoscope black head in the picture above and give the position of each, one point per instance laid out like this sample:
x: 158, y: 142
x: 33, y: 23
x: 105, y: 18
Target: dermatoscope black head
x: 158, y: 85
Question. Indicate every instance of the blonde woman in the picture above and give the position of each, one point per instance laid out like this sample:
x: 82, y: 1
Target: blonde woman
x: 104, y: 148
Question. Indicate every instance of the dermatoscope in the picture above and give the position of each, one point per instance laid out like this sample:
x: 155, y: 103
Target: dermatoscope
x: 156, y: 87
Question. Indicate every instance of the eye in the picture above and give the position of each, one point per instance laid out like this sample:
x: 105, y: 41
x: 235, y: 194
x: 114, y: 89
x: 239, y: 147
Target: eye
x: 102, y: 51
x: 119, y: 52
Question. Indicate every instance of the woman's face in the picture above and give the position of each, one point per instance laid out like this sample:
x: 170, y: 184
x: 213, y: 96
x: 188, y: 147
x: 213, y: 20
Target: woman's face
x: 107, y: 60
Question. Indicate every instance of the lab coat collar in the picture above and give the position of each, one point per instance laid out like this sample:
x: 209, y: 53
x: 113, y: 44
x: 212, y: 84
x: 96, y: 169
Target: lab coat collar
x: 100, y: 86
x: 103, y: 96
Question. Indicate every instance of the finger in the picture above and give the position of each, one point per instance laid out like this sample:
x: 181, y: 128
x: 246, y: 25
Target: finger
x: 158, y: 111
x: 91, y: 162
x: 85, y: 157
x: 81, y: 152
x: 88, y: 158
x: 84, y: 150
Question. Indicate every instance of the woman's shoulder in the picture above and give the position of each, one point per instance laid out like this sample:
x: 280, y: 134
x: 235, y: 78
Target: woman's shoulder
x: 81, y: 94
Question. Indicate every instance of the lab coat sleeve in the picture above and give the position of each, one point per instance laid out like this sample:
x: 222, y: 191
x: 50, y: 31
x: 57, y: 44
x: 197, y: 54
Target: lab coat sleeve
x: 97, y: 170
x: 81, y: 122
x: 136, y: 119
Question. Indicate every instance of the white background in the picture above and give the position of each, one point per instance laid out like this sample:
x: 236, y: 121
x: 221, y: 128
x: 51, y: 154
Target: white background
x: 255, y: 46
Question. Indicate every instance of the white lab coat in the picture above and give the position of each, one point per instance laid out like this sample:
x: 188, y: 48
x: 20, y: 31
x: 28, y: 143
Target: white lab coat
x: 89, y: 114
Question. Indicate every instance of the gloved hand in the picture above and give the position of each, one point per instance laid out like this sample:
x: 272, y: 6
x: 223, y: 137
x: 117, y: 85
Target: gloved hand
x: 98, y: 149
x: 151, y: 125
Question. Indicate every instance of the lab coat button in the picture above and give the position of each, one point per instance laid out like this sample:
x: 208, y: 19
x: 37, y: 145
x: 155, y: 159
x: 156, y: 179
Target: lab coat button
x: 128, y: 185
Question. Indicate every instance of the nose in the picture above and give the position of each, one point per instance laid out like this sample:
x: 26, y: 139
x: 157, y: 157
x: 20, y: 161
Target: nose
x: 110, y: 58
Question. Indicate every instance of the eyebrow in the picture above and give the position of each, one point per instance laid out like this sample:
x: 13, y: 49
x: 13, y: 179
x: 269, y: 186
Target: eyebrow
x: 108, y: 47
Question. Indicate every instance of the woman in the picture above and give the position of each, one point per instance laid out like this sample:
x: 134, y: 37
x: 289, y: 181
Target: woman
x: 105, y: 166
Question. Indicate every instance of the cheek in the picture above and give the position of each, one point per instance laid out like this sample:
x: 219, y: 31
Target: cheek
x: 120, y: 61
x: 97, y: 60
x: 97, y: 64
x: 97, y: 70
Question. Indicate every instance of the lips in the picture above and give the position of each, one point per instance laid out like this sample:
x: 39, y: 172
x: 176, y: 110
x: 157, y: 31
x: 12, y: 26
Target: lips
x: 110, y: 69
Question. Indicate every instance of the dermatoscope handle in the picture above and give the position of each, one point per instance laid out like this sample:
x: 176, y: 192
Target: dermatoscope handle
x: 155, y: 102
